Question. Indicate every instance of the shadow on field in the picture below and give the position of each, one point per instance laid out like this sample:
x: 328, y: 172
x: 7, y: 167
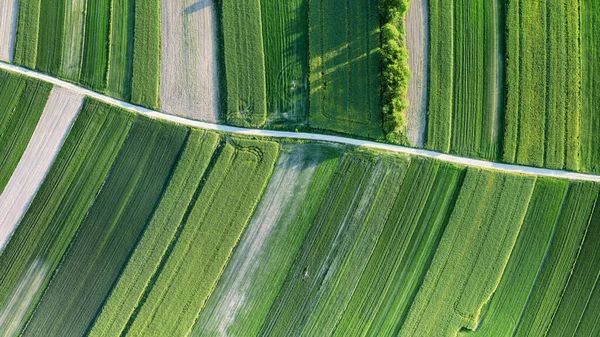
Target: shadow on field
x: 197, y: 6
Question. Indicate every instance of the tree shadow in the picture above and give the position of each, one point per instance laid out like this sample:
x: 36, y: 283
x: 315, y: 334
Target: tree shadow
x: 197, y: 6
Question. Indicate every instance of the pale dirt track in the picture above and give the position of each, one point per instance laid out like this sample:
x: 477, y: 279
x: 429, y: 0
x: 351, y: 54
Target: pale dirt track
x: 519, y: 169
x: 239, y: 287
x: 188, y: 85
x: 56, y: 120
x: 8, y: 28
x: 417, y: 41
x: 14, y: 310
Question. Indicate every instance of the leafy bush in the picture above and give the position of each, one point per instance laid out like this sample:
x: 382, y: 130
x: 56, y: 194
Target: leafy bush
x: 394, y: 69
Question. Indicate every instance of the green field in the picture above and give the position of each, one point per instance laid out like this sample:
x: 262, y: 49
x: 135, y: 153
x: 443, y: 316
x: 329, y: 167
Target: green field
x: 543, y: 84
x: 144, y: 228
x: 94, y: 44
x: 58, y: 209
x: 285, y: 36
x: 590, y: 85
x: 466, y: 101
x: 244, y: 63
x: 441, y: 70
x: 344, y: 67
x: 22, y: 102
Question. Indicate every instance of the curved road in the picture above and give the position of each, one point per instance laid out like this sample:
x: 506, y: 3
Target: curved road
x: 308, y: 136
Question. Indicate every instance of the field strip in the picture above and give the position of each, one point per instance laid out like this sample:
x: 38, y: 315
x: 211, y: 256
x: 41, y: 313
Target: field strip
x: 189, y: 59
x: 309, y: 136
x: 56, y: 120
x: 417, y: 42
x: 8, y: 28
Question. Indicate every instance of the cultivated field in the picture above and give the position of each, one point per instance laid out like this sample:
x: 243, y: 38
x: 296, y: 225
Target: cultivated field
x: 56, y: 119
x: 94, y: 43
x: 188, y: 73
x: 285, y: 36
x: 344, y: 67
x: 8, y: 28
x: 117, y: 220
x: 590, y: 87
x: 417, y: 44
x: 257, y: 238
x: 244, y: 63
x: 465, y: 109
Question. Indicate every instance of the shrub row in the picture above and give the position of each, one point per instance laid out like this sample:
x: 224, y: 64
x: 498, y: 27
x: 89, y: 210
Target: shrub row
x: 394, y: 69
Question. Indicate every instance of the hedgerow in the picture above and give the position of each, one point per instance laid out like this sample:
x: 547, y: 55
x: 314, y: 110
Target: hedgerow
x: 394, y: 69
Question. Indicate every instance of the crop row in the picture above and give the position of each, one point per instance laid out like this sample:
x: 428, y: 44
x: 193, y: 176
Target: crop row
x: 465, y: 110
x: 146, y: 228
x: 344, y: 67
x: 543, y: 84
x: 108, y: 46
x: 244, y: 62
x: 22, y: 101
x: 285, y: 36
x: 64, y: 198
x: 590, y: 85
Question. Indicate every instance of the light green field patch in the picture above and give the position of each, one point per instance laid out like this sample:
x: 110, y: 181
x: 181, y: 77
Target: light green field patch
x: 472, y: 254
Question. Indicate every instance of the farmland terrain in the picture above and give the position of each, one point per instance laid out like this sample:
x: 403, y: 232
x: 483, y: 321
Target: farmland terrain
x: 299, y: 168
x: 292, y: 241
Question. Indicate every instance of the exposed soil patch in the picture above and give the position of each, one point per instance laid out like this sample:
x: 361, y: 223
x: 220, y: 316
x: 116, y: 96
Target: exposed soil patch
x: 189, y: 86
x: 8, y: 28
x: 417, y: 41
x: 54, y: 124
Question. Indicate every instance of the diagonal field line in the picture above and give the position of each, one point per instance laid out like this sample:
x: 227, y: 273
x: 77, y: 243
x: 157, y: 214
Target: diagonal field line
x: 528, y: 170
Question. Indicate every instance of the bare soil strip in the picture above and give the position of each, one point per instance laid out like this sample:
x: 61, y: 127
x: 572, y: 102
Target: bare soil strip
x: 54, y: 124
x: 8, y: 28
x: 417, y: 42
x: 13, y: 312
x: 519, y: 169
x: 189, y: 86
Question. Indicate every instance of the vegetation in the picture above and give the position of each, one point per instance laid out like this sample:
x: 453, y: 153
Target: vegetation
x: 244, y: 63
x: 120, y: 49
x: 110, y: 231
x: 543, y: 84
x: 477, y: 116
x: 441, y: 70
x: 258, y: 266
x: 336, y: 248
x: 404, y: 250
x: 145, y: 79
x: 95, y: 56
x: 509, y: 299
x: 564, y: 250
x: 472, y: 254
x: 213, y: 224
x: 94, y: 44
x: 285, y: 36
x: 63, y: 200
x: 394, y: 69
x: 344, y: 66
x: 465, y: 104
x: 22, y: 102
x: 154, y: 244
x: 590, y: 85
x: 28, y: 26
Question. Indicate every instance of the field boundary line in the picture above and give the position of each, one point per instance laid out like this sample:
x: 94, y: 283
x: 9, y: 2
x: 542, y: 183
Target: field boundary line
x: 519, y: 169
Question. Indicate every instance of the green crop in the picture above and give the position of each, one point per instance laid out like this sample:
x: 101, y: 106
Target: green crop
x: 110, y: 231
x: 65, y: 197
x: 285, y: 36
x: 230, y: 190
x: 22, y: 101
x: 244, y: 63
x: 164, y: 227
x: 344, y: 67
